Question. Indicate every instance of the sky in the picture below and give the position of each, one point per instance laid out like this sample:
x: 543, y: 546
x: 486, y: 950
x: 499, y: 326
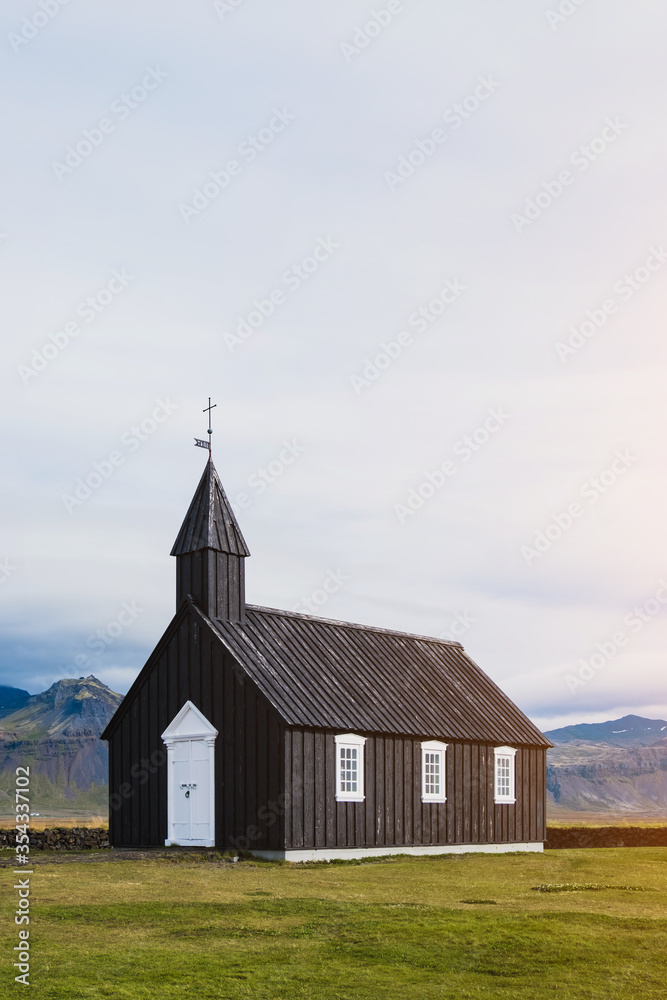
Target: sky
x: 413, y: 251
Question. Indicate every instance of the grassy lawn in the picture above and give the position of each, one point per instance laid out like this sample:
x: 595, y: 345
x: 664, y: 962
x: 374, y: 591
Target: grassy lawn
x: 62, y: 818
x: 398, y: 928
x: 568, y: 819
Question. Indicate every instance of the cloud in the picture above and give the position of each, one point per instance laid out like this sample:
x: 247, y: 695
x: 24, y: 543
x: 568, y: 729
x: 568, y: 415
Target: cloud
x: 324, y: 177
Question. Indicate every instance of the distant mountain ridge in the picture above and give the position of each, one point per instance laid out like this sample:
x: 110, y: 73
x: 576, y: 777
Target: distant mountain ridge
x: 70, y: 707
x: 57, y: 734
x: 11, y: 699
x: 630, y: 731
x: 615, y: 767
x: 618, y: 766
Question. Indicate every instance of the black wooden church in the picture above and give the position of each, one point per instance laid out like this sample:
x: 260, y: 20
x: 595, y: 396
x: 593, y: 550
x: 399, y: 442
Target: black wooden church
x: 300, y: 737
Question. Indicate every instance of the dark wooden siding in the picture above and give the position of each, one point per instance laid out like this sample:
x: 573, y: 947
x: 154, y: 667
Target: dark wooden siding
x: 190, y: 664
x: 275, y: 785
x: 216, y: 582
x: 393, y: 814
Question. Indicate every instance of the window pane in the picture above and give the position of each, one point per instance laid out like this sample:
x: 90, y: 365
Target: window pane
x: 349, y: 769
x: 431, y: 773
x: 503, y: 777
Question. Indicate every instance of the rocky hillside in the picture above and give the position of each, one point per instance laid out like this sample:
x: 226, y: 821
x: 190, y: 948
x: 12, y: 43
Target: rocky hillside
x: 615, y: 767
x: 57, y: 734
x: 11, y: 699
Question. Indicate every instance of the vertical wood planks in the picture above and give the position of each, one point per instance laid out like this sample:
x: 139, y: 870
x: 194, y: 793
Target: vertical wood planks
x: 379, y: 790
x: 308, y: 785
x: 275, y: 785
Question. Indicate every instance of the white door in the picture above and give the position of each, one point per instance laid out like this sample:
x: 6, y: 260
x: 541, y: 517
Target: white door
x: 190, y: 741
x: 192, y: 791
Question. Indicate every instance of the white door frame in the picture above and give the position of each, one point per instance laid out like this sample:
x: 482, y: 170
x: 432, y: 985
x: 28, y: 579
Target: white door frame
x: 189, y: 724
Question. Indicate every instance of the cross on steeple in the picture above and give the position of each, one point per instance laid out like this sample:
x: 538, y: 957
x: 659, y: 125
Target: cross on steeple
x: 207, y: 409
x: 207, y: 444
x: 210, y: 553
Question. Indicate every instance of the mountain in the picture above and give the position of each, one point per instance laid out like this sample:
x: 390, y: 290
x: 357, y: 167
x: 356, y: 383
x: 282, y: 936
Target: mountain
x: 630, y: 731
x: 11, y: 699
x: 56, y: 733
x: 69, y: 708
x: 616, y: 767
x: 609, y: 767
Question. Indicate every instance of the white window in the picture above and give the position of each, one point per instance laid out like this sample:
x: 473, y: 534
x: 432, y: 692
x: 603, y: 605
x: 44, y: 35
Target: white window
x: 504, y: 761
x: 433, y: 771
x: 350, y: 767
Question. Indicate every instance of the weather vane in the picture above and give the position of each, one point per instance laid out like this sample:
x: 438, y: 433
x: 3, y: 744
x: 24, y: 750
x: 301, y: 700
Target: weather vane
x: 207, y: 444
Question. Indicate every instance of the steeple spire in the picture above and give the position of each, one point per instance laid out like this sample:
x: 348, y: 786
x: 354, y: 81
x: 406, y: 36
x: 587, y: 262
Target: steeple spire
x: 210, y: 550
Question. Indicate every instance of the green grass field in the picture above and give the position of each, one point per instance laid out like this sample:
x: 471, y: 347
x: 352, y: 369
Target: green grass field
x: 455, y: 926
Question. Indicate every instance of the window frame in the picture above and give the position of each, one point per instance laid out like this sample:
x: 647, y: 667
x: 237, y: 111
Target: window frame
x: 356, y: 742
x: 511, y: 753
x: 434, y: 746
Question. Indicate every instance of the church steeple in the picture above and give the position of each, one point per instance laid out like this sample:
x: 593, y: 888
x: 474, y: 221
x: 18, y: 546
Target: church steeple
x: 210, y: 552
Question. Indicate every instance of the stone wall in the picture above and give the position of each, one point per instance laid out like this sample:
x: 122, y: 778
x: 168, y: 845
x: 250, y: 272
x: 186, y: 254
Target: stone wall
x: 606, y: 836
x: 60, y: 838
x: 82, y: 838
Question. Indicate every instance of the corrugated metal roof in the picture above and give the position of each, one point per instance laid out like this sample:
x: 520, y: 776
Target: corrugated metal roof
x: 210, y: 522
x: 336, y: 675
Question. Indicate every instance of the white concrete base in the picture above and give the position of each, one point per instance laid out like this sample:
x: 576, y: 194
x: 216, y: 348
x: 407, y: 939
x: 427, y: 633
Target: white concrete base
x: 189, y: 843
x: 356, y: 853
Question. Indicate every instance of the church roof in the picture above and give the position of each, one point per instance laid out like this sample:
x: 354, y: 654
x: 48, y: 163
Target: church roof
x: 336, y: 675
x: 210, y: 522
